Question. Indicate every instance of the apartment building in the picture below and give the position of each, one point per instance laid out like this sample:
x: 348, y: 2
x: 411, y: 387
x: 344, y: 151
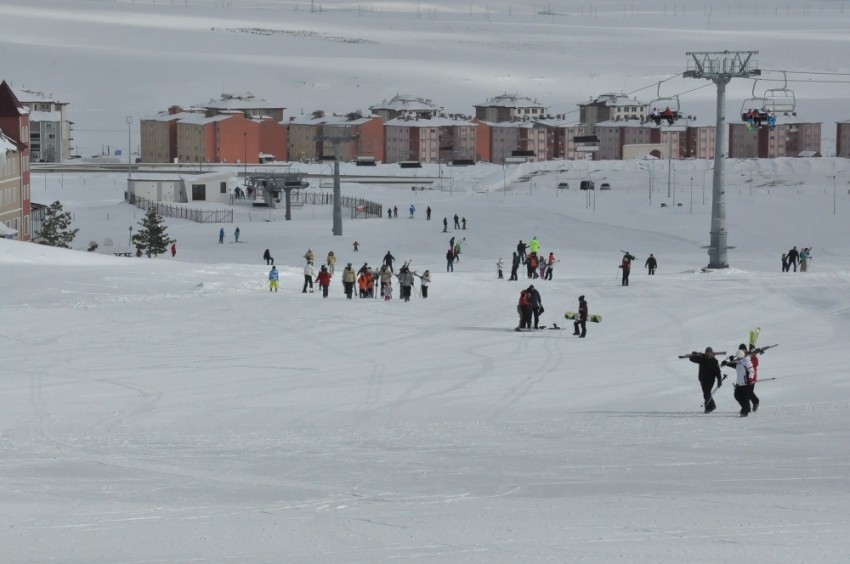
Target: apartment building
x: 842, y: 139
x: 429, y: 140
x: 695, y: 142
x: 247, y: 104
x: 223, y: 138
x: 15, y: 206
x: 50, y: 130
x: 789, y: 138
x: 159, y: 135
x: 503, y: 140
x: 699, y: 141
x: 406, y: 105
x: 303, y: 131
x: 612, y: 107
x: 560, y: 139
x: 509, y: 107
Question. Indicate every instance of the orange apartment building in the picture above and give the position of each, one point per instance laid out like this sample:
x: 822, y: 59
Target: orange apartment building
x: 503, y: 140
x: 15, y: 207
x: 697, y: 141
x: 787, y: 139
x: 842, y: 139
x: 439, y: 139
x: 303, y: 131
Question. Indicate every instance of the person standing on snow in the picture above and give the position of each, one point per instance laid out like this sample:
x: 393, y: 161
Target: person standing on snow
x: 273, y: 279
x: 405, y: 280
x: 173, y: 249
x: 425, y: 281
x: 524, y: 309
x: 356, y: 247
x: 514, y: 266
x: 445, y: 225
x: 361, y: 284
x: 388, y: 260
x: 581, y: 320
x: 541, y: 262
x: 428, y: 213
x: 310, y: 256
x: 384, y: 275
x: 349, y: 277
x: 550, y: 266
x: 463, y: 223
x: 221, y: 236
x: 236, y: 235
x: 755, y: 360
x: 804, y: 259
x: 785, y: 262
x: 450, y: 260
x: 651, y: 264
x: 268, y: 257
x: 743, y: 390
x: 395, y: 211
x: 309, y: 272
x: 520, y: 251
x: 500, y: 266
x: 534, y: 245
x: 412, y: 211
x: 531, y: 265
x: 626, y: 265
x: 387, y: 290
x: 536, y: 304
x: 331, y: 262
x: 793, y: 256
x: 457, y: 222
x: 709, y: 372
x: 389, y: 213
x: 324, y: 280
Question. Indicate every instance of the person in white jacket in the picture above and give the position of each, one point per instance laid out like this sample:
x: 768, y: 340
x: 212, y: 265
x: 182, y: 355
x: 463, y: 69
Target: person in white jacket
x: 501, y: 266
x: 309, y: 272
x: 743, y: 386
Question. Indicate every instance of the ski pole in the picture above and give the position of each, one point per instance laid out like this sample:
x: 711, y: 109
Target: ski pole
x: 711, y: 397
x: 764, y: 380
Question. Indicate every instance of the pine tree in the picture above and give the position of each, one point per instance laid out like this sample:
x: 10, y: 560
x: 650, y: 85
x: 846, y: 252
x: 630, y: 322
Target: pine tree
x: 54, y: 227
x: 152, y: 238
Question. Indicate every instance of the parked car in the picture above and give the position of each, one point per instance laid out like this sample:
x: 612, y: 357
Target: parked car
x: 605, y: 186
x: 587, y: 185
x: 563, y: 185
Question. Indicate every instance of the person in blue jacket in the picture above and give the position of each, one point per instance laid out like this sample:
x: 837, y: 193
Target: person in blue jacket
x: 221, y: 236
x: 412, y: 210
x: 273, y: 279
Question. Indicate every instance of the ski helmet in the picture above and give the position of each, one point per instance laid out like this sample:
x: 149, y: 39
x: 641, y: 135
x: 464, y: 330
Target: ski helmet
x: 740, y: 355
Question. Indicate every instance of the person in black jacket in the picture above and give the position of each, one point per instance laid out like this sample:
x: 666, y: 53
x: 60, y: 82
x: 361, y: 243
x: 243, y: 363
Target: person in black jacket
x: 536, y: 304
x: 388, y: 260
x: 581, y: 320
x: 651, y: 264
x: 709, y: 371
x: 793, y: 257
x: 514, y: 266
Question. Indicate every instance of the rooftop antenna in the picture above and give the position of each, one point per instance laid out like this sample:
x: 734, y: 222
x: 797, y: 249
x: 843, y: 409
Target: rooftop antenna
x: 720, y: 67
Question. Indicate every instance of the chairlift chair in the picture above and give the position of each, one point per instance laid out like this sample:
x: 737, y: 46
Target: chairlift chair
x: 754, y: 103
x: 671, y: 102
x: 780, y: 99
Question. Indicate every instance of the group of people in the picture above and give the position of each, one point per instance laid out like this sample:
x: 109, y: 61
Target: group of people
x: 236, y: 234
x: 453, y: 254
x: 460, y: 223
x: 393, y: 212
x: 755, y: 117
x: 792, y: 257
x: 745, y: 362
x: 667, y: 115
x: 536, y: 264
x: 651, y: 265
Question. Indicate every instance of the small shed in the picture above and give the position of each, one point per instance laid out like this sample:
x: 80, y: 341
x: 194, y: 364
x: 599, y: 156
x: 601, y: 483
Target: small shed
x: 211, y: 187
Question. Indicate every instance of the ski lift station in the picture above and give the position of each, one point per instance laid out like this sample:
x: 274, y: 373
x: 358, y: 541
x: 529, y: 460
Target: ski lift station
x: 182, y: 189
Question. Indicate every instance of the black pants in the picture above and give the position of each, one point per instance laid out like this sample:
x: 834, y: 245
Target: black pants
x: 743, y: 395
x: 525, y: 317
x: 536, y: 311
x: 308, y: 281
x: 325, y: 290
x: 549, y: 273
x: 428, y: 216
x: 269, y: 261
x: 794, y: 264
x: 580, y: 323
x: 424, y: 291
x: 753, y: 397
x: 513, y: 273
x: 349, y: 289
x: 652, y: 271
x: 501, y: 276
x: 528, y: 269
x: 784, y: 267
x: 405, y: 293
x: 457, y: 225
x: 626, y: 277
x: 707, y: 387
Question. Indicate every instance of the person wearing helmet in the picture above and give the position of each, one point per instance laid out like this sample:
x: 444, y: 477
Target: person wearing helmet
x: 743, y: 386
x: 709, y: 371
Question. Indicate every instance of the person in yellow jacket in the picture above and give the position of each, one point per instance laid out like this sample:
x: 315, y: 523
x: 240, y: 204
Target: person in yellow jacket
x: 349, y: 277
x: 331, y: 261
x: 535, y: 245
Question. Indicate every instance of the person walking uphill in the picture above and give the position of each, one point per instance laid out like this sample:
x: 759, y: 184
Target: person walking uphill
x: 743, y: 389
x: 273, y: 279
x: 384, y: 275
x: 709, y: 372
x: 309, y: 272
x: 793, y: 257
x: 349, y: 277
x: 268, y: 257
x: 405, y: 280
x: 221, y: 236
x: 651, y: 264
x: 626, y: 265
x: 581, y: 320
x: 331, y: 262
x: 324, y: 280
x: 236, y: 235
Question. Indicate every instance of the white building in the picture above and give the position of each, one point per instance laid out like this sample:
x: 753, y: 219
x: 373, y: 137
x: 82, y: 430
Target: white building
x: 612, y: 107
x: 50, y: 130
x: 406, y: 105
x: 212, y: 187
x: 509, y: 107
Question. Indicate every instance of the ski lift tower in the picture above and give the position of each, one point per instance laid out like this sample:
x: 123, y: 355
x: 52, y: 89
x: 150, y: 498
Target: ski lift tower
x: 720, y: 67
x: 336, y: 141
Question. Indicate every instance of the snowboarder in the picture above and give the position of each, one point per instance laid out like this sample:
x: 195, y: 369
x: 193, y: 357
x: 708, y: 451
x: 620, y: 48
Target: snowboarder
x: 425, y: 281
x: 356, y: 247
x: 457, y: 222
x: 450, y: 260
x: 709, y: 372
x: 514, y: 266
x: 534, y: 245
x: 626, y: 265
x: 349, y: 277
x: 445, y: 225
x: 273, y: 279
x: 331, y: 262
x: 581, y: 320
x: 651, y: 264
x: 221, y: 236
x: 551, y: 264
x: 793, y: 256
x: 743, y: 391
x: 412, y: 211
x: 428, y: 213
x: 520, y: 251
x: 173, y: 249
x: 388, y: 260
x: 324, y: 280
x: 310, y: 256
x: 236, y: 235
x: 536, y: 304
x: 500, y: 266
x: 405, y: 279
x: 524, y: 310
x: 309, y: 272
x: 463, y: 223
x: 268, y: 257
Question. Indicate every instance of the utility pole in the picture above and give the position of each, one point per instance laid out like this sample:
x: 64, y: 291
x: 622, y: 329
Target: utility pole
x: 129, y: 148
x: 720, y: 68
x: 336, y: 141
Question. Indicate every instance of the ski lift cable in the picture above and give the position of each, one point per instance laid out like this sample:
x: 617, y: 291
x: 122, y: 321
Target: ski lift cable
x: 808, y: 72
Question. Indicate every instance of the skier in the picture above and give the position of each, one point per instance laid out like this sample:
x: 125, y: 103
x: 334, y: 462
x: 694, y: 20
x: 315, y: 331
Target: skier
x: 463, y: 223
x: 349, y: 277
x: 500, y: 266
x: 755, y: 360
x: 743, y: 391
x: 520, y: 251
x: 514, y: 266
x: 457, y: 222
x: 324, y: 280
x: 524, y: 309
x: 551, y: 265
x: 428, y: 213
x: 651, y: 264
x: 221, y: 236
x: 331, y: 262
x: 771, y: 119
x: 389, y: 213
x: 309, y: 272
x: 384, y: 275
x: 236, y: 235
x: 388, y: 260
x: 450, y: 260
x: 534, y: 245
x: 709, y: 371
x: 804, y: 259
x: 581, y: 321
x: 785, y: 262
x: 405, y: 279
x: 268, y: 258
x: 412, y: 211
x: 356, y: 247
x: 536, y: 304
x: 310, y: 256
x: 425, y: 281
x: 626, y: 265
x: 793, y: 255
x: 273, y: 279
x: 445, y: 225
x: 395, y: 211
x: 173, y: 249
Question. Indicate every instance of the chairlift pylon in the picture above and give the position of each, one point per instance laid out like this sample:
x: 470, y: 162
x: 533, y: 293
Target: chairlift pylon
x: 671, y: 103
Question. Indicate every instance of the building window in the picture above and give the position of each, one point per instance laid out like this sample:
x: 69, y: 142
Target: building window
x: 199, y: 191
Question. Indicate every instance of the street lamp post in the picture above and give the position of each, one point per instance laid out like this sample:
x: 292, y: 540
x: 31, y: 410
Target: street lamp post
x: 129, y: 147
x: 692, y: 196
x: 833, y: 194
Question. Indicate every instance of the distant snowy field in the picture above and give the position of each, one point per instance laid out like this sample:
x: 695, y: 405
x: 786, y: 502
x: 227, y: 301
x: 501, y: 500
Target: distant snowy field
x: 114, y: 59
x: 172, y: 410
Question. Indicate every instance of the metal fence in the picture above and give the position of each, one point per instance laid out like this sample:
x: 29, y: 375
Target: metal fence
x: 182, y: 212
x: 360, y: 208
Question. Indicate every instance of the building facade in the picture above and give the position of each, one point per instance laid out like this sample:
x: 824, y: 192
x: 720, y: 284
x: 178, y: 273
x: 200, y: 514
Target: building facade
x: 842, y: 139
x: 516, y: 139
x: 15, y: 207
x: 429, y: 140
x: 50, y: 130
x: 612, y: 107
x: 406, y: 105
x: 560, y: 139
x: 509, y: 107
x: 247, y: 104
x: 787, y: 139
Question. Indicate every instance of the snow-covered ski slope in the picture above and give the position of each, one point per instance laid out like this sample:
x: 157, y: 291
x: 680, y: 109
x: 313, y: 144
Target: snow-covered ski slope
x: 173, y: 410
x: 137, y: 57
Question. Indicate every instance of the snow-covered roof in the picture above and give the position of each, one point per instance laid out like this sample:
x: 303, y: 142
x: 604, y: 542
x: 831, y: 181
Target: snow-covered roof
x: 25, y: 95
x: 201, y: 119
x: 613, y: 100
x: 245, y: 101
x: 6, y: 231
x: 45, y: 116
x: 333, y: 119
x: 807, y: 154
x: 433, y: 122
x: 7, y: 145
x: 165, y: 116
x: 510, y: 101
x: 407, y: 103
x: 513, y: 124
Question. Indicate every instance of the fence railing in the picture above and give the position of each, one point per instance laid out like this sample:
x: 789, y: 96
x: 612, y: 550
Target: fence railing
x: 360, y: 208
x: 182, y: 212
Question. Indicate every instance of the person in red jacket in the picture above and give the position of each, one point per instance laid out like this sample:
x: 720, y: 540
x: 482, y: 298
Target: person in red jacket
x: 524, y: 309
x: 324, y: 280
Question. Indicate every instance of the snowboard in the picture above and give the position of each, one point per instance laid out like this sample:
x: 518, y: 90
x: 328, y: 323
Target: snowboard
x: 591, y: 318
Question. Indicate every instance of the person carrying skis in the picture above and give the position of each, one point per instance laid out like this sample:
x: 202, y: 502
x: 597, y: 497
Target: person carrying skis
x: 520, y: 251
x: 388, y: 260
x: 236, y: 235
x: 273, y: 279
x: 581, y: 320
x: 445, y: 225
x: 457, y: 222
x: 651, y: 264
x: 268, y: 257
x: 331, y: 262
x: 524, y: 310
x: 405, y: 279
x: 349, y: 277
x: 550, y: 264
x: 309, y: 272
x: 310, y: 256
x: 755, y: 360
x: 793, y: 256
x: 412, y: 211
x: 450, y: 260
x: 536, y: 304
x: 626, y: 265
x: 324, y: 280
x: 514, y: 266
x: 743, y: 391
x: 425, y: 282
x: 428, y: 213
x: 500, y: 266
x: 709, y: 372
x: 221, y: 236
x: 173, y: 249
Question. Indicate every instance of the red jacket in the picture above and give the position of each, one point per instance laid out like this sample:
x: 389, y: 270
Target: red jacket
x: 324, y: 278
x: 523, y: 298
x: 755, y: 361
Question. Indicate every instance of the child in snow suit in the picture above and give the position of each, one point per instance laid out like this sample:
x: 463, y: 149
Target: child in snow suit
x: 500, y: 266
x: 324, y: 280
x: 425, y: 282
x: 387, y: 290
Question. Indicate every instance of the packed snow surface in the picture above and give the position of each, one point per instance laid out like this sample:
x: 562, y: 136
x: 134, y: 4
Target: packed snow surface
x: 173, y: 410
